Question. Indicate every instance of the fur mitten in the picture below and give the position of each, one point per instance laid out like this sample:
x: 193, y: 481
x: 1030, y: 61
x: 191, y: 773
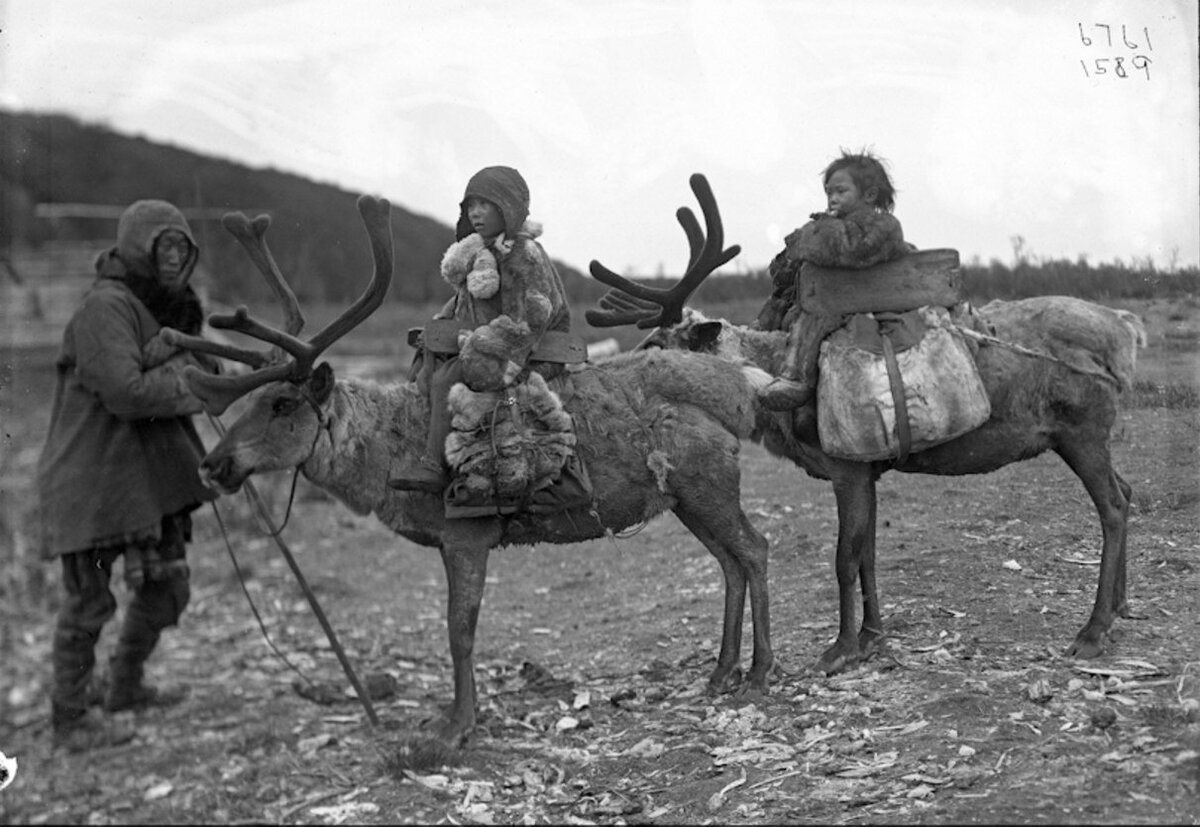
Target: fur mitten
x: 493, y: 354
x: 470, y: 262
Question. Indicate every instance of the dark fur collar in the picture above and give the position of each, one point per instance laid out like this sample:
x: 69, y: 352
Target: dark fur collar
x: 181, y: 311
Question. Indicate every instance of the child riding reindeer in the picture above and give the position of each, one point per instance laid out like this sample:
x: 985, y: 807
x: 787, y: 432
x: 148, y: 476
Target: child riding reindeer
x: 486, y: 354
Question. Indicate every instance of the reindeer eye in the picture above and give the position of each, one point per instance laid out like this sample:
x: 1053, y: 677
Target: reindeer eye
x: 283, y: 406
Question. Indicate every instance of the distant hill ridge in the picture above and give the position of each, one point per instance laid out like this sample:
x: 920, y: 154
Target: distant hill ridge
x: 316, y: 234
x: 319, y: 242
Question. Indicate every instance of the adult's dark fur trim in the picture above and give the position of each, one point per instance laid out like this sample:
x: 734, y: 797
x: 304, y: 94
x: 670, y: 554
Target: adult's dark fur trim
x: 181, y: 311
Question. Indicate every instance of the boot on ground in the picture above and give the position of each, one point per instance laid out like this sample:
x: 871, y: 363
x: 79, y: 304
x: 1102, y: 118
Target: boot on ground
x: 83, y: 731
x: 139, y: 696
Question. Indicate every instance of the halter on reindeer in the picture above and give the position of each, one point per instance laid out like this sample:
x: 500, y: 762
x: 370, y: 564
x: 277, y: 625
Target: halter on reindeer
x: 658, y: 431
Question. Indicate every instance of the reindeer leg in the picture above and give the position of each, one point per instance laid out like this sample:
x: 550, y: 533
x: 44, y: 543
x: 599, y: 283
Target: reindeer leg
x: 724, y: 677
x: 465, y: 548
x: 1108, y: 491
x: 742, y: 553
x: 871, y: 632
x: 753, y: 557
x: 855, y: 492
x: 1120, y: 601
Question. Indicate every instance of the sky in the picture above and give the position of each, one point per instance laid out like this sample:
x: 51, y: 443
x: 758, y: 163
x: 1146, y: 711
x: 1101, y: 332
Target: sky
x: 992, y: 115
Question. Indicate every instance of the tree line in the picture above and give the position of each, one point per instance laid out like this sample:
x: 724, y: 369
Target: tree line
x: 51, y: 158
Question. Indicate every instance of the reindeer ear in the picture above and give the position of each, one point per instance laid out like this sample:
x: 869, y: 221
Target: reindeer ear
x: 321, y: 383
x: 703, y: 337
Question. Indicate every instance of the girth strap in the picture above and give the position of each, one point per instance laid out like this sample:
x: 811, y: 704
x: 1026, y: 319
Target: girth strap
x: 903, y: 429
x: 441, y: 336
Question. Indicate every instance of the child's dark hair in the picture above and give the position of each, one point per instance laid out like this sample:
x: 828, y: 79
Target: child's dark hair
x: 867, y: 171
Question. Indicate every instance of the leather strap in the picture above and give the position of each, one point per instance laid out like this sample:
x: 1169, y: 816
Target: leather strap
x: 441, y: 336
x: 903, y: 429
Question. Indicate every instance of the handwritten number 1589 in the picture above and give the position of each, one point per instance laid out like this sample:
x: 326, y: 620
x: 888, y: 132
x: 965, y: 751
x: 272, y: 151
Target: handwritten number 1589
x: 1100, y: 66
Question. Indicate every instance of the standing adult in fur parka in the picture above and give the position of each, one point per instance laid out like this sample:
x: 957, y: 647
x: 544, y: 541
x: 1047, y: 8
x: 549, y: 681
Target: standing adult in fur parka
x: 118, y: 476
x: 506, y: 291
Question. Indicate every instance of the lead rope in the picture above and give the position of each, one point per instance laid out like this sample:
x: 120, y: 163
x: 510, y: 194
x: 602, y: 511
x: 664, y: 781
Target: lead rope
x: 260, y: 509
x: 253, y: 609
x: 984, y: 338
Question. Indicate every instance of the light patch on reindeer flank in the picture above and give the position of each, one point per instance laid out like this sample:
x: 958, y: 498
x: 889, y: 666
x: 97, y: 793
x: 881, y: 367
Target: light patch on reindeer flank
x: 757, y: 377
x: 660, y: 465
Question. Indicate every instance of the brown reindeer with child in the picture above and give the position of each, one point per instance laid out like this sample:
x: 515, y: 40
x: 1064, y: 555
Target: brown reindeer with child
x: 656, y: 431
x: 1051, y: 369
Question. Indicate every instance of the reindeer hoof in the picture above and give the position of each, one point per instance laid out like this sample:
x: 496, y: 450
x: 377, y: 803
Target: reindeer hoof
x: 837, y: 659
x: 451, y: 733
x: 1088, y: 645
x: 751, y: 691
x: 724, y: 683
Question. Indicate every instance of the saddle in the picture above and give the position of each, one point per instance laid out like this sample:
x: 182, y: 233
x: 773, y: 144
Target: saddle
x: 898, y: 376
x: 511, y: 450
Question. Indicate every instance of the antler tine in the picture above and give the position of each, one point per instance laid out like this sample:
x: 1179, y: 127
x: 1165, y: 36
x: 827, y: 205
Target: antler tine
x: 253, y: 358
x: 705, y: 256
x: 217, y: 393
x: 618, y: 309
x: 695, y: 236
x: 241, y: 321
x: 252, y: 236
x: 376, y: 216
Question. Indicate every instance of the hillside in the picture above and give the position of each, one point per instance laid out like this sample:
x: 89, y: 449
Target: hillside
x: 318, y: 240
x: 316, y: 234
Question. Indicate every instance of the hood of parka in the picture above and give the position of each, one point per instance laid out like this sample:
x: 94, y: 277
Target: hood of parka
x: 142, y: 223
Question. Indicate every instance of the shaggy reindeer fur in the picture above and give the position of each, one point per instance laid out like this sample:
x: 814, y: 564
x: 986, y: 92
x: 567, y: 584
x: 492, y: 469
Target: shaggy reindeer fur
x: 659, y: 431
x: 1064, y: 400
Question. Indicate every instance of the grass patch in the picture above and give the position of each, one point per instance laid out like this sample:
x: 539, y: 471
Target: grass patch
x: 1176, y: 396
x: 419, y: 754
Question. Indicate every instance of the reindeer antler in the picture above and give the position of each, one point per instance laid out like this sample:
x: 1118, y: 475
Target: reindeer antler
x: 629, y: 302
x: 218, y: 392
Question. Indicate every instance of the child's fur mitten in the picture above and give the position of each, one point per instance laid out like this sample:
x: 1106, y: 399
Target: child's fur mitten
x: 470, y: 262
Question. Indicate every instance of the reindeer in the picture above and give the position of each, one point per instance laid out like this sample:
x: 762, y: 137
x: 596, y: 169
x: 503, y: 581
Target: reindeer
x: 658, y: 431
x: 1053, y: 370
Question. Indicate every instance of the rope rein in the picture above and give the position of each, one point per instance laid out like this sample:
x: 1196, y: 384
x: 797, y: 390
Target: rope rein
x: 260, y: 512
x: 253, y: 609
x: 984, y: 338
x: 263, y: 522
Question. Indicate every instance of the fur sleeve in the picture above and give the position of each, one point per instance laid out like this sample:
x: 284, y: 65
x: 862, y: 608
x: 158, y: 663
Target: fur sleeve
x: 532, y: 302
x: 532, y: 290
x: 861, y: 239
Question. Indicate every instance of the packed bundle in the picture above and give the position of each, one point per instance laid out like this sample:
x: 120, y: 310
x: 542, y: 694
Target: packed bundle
x: 507, y: 444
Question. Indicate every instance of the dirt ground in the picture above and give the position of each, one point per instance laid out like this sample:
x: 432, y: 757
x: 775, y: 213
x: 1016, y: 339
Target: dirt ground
x: 592, y: 660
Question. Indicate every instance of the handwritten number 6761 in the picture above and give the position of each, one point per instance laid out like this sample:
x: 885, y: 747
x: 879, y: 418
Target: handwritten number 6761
x: 1087, y: 41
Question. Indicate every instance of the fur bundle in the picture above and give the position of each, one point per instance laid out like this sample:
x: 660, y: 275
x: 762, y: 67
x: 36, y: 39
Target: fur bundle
x: 495, y: 353
x: 508, y: 444
x: 470, y: 262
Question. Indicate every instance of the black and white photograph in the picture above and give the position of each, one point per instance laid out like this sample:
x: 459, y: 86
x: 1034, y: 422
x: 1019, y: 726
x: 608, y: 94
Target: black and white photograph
x: 600, y: 413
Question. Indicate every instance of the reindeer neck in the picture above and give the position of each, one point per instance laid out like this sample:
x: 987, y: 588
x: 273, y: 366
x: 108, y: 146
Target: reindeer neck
x: 368, y: 427
x: 763, y: 348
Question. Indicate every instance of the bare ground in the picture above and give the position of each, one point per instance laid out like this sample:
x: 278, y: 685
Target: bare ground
x: 592, y: 660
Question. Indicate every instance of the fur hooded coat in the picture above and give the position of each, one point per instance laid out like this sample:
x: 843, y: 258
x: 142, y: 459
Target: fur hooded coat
x: 506, y: 289
x: 863, y: 238
x: 121, y: 451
